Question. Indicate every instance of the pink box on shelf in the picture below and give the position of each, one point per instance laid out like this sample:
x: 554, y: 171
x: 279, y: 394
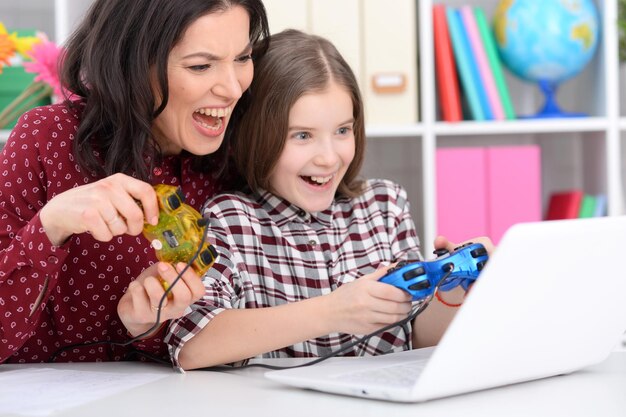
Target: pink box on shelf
x: 461, y: 193
x: 484, y: 191
x: 514, y: 187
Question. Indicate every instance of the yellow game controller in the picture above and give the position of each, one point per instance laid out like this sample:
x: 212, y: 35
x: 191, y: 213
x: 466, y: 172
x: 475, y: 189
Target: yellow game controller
x: 178, y: 234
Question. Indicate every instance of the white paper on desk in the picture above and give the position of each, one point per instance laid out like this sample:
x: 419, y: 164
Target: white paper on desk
x: 43, y: 391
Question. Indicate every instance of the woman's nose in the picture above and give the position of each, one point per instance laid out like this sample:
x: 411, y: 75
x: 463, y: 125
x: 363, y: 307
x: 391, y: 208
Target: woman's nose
x: 229, y: 83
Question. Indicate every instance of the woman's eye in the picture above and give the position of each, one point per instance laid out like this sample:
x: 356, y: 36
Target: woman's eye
x: 302, y: 135
x: 199, y: 68
x: 245, y: 58
x: 343, y: 130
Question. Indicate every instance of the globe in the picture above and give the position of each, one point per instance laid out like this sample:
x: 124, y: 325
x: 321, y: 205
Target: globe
x: 547, y: 42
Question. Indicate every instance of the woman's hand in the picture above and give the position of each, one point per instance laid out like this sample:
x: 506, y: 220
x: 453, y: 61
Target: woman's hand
x: 366, y: 305
x: 105, y: 208
x: 442, y: 242
x: 138, y: 307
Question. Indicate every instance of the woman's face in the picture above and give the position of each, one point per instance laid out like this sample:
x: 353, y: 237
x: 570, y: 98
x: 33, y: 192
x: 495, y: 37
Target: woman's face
x: 208, y: 71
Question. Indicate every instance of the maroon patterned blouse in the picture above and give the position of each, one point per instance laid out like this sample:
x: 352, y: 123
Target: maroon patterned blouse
x: 50, y: 296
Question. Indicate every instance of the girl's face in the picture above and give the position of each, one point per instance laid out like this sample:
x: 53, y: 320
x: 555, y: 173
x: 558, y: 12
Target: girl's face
x: 208, y: 70
x: 318, y: 150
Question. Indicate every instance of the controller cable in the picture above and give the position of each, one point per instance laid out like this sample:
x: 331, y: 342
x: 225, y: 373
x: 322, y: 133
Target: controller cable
x: 202, y: 223
x: 415, y: 311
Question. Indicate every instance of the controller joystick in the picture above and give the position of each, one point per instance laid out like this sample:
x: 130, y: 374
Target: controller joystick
x: 178, y: 234
x: 419, y: 279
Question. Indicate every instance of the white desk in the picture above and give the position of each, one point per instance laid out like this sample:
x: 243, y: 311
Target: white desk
x: 598, y: 390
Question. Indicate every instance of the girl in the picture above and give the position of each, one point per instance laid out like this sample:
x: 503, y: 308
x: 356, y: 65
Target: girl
x: 301, y: 253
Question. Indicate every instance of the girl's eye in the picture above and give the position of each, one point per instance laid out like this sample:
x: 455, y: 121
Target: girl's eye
x: 301, y: 135
x: 344, y: 130
x: 199, y: 68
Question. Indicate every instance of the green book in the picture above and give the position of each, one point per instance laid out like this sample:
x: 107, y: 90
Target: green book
x: 494, y: 62
x: 587, y: 206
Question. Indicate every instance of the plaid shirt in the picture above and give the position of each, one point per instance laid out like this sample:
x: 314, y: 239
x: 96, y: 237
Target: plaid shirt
x: 272, y: 253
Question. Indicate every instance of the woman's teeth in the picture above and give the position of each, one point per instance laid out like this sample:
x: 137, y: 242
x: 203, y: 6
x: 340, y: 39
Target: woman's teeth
x: 215, y: 112
x: 212, y: 118
x: 215, y: 126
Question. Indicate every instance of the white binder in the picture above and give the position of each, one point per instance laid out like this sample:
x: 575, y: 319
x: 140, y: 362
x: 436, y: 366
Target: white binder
x: 377, y: 38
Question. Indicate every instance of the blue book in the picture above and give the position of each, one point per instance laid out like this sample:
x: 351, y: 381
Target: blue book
x: 468, y: 68
x: 600, y: 209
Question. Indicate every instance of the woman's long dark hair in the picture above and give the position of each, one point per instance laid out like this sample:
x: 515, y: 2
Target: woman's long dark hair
x: 109, y: 62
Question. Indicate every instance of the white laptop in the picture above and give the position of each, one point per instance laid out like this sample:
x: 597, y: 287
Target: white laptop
x: 551, y: 300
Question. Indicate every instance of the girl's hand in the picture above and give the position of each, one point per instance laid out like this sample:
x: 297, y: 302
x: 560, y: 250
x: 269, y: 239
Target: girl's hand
x: 105, y: 208
x: 366, y: 305
x: 441, y: 242
x: 138, y: 307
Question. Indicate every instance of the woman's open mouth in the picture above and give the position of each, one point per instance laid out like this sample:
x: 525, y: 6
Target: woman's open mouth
x: 212, y: 118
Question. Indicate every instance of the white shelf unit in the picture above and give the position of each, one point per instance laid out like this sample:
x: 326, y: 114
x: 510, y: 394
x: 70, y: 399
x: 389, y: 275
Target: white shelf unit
x: 585, y: 153
x: 67, y: 13
x: 576, y: 153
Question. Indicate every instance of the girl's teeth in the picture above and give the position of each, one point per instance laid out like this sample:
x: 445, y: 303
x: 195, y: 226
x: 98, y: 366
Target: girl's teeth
x: 321, y: 180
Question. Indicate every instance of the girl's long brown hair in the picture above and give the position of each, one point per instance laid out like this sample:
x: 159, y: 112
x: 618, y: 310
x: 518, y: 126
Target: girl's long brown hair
x: 294, y: 64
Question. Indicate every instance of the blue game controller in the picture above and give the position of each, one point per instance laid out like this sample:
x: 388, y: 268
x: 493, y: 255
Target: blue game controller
x: 419, y: 279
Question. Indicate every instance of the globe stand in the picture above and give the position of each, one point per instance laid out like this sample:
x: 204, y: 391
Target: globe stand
x: 550, y: 108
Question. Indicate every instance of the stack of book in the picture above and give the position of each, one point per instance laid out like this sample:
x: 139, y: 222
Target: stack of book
x: 574, y: 204
x: 465, y: 51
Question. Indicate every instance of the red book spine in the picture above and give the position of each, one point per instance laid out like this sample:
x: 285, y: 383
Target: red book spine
x: 447, y: 80
x: 564, y: 205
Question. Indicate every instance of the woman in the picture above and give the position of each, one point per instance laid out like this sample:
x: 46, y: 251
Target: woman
x: 158, y: 82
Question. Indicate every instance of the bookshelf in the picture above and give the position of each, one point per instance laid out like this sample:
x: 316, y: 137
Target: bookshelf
x: 587, y: 153
x: 581, y: 153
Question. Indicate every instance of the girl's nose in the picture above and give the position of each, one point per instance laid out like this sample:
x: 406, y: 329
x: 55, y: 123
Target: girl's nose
x: 325, y: 153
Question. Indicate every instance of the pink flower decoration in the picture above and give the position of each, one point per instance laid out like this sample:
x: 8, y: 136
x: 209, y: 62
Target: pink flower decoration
x: 45, y: 62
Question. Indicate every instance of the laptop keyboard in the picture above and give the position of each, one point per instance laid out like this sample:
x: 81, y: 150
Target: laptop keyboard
x: 400, y: 374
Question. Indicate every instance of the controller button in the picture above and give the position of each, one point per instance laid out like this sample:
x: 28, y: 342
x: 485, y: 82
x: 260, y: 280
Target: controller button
x: 413, y: 273
x: 170, y: 238
x: 174, y: 202
x: 480, y: 265
x: 418, y: 286
x: 401, y: 264
x: 156, y: 244
x: 478, y: 252
x: 440, y: 252
x: 448, y: 267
